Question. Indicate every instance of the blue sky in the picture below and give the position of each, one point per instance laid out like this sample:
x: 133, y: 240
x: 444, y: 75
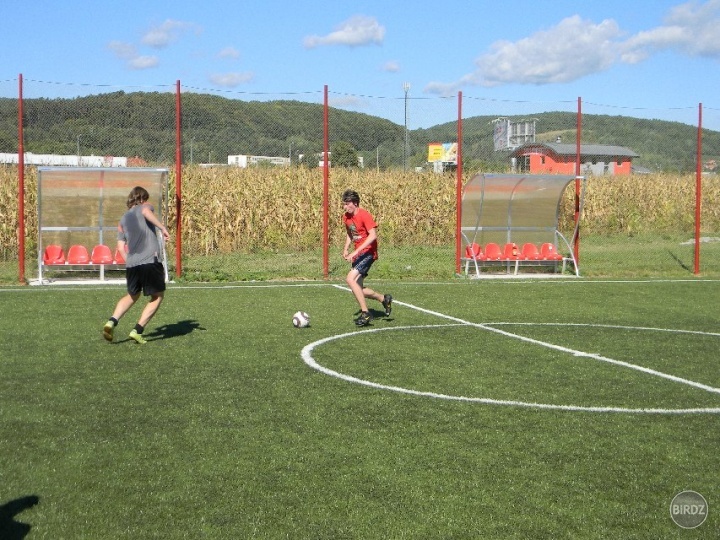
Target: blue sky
x: 645, y: 58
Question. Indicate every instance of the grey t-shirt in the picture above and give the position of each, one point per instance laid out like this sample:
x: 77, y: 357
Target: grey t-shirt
x: 140, y: 236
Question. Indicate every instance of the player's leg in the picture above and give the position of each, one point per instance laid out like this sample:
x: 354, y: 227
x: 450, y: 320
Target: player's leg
x: 369, y: 293
x: 154, y: 287
x: 122, y: 307
x: 355, y: 281
x: 384, y: 299
x: 151, y: 308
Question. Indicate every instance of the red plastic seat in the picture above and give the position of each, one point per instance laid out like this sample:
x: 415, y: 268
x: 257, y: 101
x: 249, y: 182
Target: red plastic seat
x: 530, y: 252
x: 511, y: 252
x: 54, y: 254
x: 474, y: 251
x: 119, y: 257
x: 101, y: 254
x: 78, y: 254
x: 548, y: 252
x: 493, y: 252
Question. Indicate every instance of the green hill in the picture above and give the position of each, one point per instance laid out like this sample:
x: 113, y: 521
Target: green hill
x: 143, y: 124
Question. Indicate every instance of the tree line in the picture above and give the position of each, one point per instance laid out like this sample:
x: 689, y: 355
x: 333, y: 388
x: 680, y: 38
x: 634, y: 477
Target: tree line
x: 143, y: 124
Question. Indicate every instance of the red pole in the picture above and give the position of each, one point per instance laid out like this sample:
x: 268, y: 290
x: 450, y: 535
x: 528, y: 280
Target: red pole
x: 178, y: 181
x: 458, y: 187
x: 698, y: 191
x: 326, y: 186
x: 578, y: 156
x: 21, y: 185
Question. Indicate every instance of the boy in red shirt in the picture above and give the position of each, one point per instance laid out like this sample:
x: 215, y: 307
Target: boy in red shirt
x: 362, y: 233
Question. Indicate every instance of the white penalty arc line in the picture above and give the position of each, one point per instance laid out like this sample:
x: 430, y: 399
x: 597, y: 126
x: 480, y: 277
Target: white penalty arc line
x: 309, y: 360
x: 568, y: 350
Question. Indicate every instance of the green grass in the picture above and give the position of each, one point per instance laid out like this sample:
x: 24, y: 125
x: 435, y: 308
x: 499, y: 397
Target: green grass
x: 218, y: 429
x: 616, y: 256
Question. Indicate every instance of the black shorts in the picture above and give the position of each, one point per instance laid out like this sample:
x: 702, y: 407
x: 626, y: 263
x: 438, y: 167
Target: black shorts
x: 150, y: 278
x: 363, y: 262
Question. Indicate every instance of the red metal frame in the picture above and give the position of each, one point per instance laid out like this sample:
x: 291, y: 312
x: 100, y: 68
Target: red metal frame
x: 578, y: 137
x: 326, y: 185
x: 326, y: 176
x: 458, y: 187
x: 178, y: 181
x: 698, y: 191
x: 21, y: 185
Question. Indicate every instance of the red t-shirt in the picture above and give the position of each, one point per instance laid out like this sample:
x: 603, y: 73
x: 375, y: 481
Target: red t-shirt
x: 358, y: 226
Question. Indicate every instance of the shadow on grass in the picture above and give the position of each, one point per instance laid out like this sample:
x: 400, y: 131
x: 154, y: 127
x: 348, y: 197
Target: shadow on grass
x: 680, y: 262
x: 375, y: 314
x: 9, y: 528
x: 176, y: 329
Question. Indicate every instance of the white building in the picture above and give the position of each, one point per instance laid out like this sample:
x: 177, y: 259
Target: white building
x: 52, y: 160
x: 245, y: 161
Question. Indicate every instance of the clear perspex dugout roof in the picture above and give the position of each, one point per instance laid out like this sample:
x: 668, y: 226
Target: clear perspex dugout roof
x: 512, y: 208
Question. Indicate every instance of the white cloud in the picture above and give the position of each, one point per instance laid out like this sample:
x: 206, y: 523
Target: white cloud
x: 128, y: 53
x: 689, y: 28
x: 229, y: 52
x: 391, y: 66
x: 162, y: 35
x: 157, y: 37
x: 124, y: 51
x: 575, y: 48
x: 143, y: 62
x: 356, y: 31
x: 572, y: 49
x: 231, y: 80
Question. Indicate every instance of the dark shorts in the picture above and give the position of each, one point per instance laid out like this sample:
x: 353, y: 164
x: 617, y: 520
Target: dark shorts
x: 148, y: 278
x: 363, y: 263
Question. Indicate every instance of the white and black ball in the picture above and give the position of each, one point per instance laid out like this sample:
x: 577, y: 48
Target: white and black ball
x: 301, y: 320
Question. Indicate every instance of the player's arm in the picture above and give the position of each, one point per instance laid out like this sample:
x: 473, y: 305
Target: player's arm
x: 348, y: 241
x: 121, y: 239
x: 149, y: 215
x: 369, y: 239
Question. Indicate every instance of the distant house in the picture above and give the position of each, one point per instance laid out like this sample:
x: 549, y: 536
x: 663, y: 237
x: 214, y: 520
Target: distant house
x: 559, y: 158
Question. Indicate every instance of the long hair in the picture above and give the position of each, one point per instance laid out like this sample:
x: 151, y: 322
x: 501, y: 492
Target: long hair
x: 138, y: 195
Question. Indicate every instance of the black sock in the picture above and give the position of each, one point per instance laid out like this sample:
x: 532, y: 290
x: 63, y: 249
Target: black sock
x: 113, y: 320
x: 139, y: 328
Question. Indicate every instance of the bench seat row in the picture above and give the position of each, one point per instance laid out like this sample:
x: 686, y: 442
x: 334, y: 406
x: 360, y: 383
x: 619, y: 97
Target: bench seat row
x: 512, y: 256
x: 54, y: 255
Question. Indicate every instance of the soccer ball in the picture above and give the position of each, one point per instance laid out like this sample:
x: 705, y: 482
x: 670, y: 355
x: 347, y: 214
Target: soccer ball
x: 301, y: 319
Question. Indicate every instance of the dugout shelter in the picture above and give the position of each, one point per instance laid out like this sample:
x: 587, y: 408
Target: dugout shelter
x: 511, y: 221
x: 79, y: 209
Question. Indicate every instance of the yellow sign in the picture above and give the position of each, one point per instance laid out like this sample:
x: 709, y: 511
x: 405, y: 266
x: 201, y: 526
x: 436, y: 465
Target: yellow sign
x: 445, y: 152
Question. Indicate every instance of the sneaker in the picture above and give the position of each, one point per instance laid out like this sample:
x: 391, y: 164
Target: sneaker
x: 364, y: 319
x: 137, y: 337
x: 387, y: 304
x: 108, y: 330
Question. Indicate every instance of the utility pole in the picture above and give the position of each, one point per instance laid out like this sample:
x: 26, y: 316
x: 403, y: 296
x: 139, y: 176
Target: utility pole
x: 406, y: 88
x: 78, y: 150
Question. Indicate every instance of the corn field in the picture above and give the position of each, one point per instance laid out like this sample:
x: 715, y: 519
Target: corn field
x: 228, y: 210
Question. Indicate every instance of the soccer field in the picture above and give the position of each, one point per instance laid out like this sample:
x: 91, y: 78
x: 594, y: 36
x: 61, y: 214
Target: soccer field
x: 557, y: 408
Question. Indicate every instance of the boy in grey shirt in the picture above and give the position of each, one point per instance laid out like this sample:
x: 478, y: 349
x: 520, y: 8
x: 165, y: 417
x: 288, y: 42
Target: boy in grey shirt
x: 144, y: 272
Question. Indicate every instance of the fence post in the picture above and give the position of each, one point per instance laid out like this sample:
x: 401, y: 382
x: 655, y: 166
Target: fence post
x: 578, y: 157
x: 178, y: 180
x: 458, y: 187
x: 21, y: 185
x: 326, y: 184
x: 698, y: 191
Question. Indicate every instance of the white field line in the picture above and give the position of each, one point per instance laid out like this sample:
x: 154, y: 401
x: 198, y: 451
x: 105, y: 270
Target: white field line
x: 307, y: 357
x: 85, y: 285
x: 566, y: 349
